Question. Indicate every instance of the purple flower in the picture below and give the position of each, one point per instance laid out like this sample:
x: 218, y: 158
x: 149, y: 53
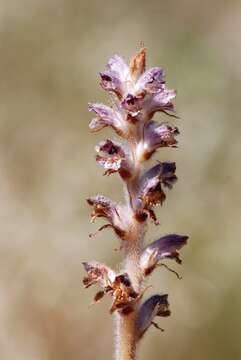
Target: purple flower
x: 151, y: 192
x: 106, y: 116
x: 151, y: 81
x: 162, y: 135
x: 115, y: 78
x: 167, y: 174
x: 143, y: 105
x: 132, y: 104
x: 156, y: 305
x: 160, y: 101
x: 136, y: 94
x: 165, y: 247
x: 118, y: 66
x: 157, y: 136
x: 141, y: 93
x: 113, y: 158
x: 161, y: 174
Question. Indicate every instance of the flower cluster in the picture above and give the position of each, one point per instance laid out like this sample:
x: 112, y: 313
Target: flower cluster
x: 136, y: 96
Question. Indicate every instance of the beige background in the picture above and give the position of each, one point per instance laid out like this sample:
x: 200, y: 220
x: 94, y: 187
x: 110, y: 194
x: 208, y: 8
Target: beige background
x: 51, y: 53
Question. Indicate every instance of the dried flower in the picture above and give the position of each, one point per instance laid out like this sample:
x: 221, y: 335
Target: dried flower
x: 138, y: 64
x: 118, y: 286
x: 98, y: 273
x: 108, y: 209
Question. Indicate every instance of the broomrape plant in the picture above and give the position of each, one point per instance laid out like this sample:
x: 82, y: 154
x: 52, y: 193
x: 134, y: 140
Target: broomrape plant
x: 136, y: 96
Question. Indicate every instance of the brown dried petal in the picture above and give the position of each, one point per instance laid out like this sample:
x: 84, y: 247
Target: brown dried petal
x: 124, y: 296
x: 103, y: 207
x: 98, y: 273
x: 138, y: 64
x: 119, y: 286
x: 98, y: 296
x: 110, y: 210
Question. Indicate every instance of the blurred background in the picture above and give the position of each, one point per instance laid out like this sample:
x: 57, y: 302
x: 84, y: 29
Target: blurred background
x: 51, y: 53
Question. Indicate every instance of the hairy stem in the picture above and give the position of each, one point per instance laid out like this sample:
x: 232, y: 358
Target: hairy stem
x: 126, y: 328
x: 125, y: 336
x: 126, y: 331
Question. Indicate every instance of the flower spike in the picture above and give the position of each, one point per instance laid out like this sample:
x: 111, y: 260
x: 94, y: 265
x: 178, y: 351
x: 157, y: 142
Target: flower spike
x: 137, y: 95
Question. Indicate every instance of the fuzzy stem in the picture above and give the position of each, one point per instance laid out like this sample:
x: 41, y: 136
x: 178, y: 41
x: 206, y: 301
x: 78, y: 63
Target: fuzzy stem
x: 125, y: 336
x: 126, y: 329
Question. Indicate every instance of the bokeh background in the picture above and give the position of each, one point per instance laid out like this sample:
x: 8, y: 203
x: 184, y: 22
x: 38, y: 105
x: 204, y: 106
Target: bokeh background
x: 51, y: 53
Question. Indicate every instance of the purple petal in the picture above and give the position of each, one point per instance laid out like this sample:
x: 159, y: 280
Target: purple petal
x: 132, y: 104
x: 156, y: 305
x: 152, y: 80
x: 161, y: 101
x: 114, y: 79
x: 167, y: 174
x: 165, y: 247
x: 117, y: 65
x: 164, y: 171
x: 106, y: 116
x: 101, y: 110
x: 110, y: 82
x: 151, y: 191
x: 160, y: 136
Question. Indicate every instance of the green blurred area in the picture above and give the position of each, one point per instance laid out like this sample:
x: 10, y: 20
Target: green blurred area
x: 51, y: 53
